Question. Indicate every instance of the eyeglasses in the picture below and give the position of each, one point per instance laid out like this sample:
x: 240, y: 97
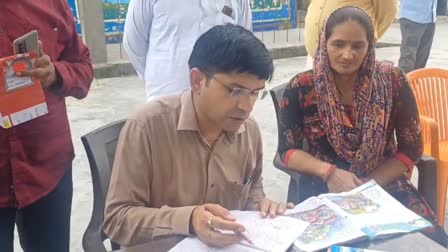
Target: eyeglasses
x: 239, y: 92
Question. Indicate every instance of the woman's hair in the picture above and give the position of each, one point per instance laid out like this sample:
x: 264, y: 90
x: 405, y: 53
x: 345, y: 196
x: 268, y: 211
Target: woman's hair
x: 355, y: 14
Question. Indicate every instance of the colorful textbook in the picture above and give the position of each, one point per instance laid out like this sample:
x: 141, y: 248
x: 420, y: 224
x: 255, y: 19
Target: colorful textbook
x: 365, y: 212
x: 21, y: 98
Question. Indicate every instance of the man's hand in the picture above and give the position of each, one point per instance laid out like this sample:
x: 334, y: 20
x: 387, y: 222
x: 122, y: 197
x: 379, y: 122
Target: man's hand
x: 268, y: 207
x: 342, y: 181
x: 44, y: 69
x: 209, y: 220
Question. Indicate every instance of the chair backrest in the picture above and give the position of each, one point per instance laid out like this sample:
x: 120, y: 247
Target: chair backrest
x: 299, y: 189
x: 277, y: 96
x: 430, y: 86
x: 100, y: 146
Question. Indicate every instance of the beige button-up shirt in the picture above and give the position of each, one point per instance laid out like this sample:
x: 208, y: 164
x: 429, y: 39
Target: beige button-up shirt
x: 163, y: 168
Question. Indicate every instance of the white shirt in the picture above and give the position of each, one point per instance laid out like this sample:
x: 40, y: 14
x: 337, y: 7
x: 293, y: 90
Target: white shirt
x: 159, y: 36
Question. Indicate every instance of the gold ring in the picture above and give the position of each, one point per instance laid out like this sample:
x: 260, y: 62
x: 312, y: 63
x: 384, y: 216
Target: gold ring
x: 210, y: 223
x: 210, y: 231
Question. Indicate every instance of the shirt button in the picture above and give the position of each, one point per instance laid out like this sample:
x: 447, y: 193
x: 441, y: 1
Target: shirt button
x: 212, y: 185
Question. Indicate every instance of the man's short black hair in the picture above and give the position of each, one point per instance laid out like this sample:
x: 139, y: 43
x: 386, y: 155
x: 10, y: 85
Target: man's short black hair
x: 231, y: 49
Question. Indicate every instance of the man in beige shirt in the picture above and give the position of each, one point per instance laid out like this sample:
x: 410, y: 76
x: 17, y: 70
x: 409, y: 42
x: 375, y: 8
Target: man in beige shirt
x: 184, y: 161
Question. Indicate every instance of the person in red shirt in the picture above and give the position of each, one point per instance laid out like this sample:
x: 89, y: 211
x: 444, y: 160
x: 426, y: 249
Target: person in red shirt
x: 36, y: 157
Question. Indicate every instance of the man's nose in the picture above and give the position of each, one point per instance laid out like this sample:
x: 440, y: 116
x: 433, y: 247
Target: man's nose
x: 246, y: 103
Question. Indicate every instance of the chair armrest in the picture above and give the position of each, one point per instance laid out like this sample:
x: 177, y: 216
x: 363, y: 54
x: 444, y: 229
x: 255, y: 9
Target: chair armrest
x: 427, y: 180
x: 301, y: 186
x: 430, y: 131
x: 278, y: 163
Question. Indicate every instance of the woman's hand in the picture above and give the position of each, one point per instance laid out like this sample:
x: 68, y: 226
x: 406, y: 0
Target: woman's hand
x: 342, y: 181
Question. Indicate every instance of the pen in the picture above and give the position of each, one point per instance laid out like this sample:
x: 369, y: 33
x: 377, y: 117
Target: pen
x: 242, y: 235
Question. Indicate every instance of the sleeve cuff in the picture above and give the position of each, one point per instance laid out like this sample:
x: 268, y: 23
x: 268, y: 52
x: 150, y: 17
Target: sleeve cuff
x: 181, y: 220
x: 59, y: 87
x: 405, y: 160
x: 288, y: 156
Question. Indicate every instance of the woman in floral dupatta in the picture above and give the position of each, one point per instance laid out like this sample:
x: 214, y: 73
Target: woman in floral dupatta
x: 358, y: 116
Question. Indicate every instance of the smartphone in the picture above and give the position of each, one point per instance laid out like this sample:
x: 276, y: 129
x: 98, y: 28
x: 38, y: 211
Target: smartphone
x: 27, y: 43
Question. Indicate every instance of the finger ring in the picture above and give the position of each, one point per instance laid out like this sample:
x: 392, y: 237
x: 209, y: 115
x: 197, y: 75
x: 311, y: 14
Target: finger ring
x: 210, y: 231
x: 210, y: 223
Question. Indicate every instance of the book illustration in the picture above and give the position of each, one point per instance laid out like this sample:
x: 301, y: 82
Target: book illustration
x: 366, y: 212
x: 13, y: 81
x: 375, y: 193
x: 323, y: 222
x: 336, y: 248
x: 374, y: 230
x: 355, y: 204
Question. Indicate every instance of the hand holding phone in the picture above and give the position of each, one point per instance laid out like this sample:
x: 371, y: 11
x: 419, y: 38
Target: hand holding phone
x: 44, y: 69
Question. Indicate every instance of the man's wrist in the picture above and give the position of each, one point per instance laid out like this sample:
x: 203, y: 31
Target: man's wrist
x: 190, y: 226
x: 57, y: 84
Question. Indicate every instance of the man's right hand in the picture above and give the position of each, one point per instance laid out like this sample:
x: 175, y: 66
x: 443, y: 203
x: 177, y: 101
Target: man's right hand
x: 220, y: 220
x: 342, y: 181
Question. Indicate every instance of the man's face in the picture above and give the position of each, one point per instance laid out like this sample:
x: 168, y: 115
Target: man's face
x: 227, y: 100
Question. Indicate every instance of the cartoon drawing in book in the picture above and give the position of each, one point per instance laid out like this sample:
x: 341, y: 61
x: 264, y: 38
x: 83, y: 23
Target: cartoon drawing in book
x: 355, y: 204
x: 373, y: 230
x: 322, y: 222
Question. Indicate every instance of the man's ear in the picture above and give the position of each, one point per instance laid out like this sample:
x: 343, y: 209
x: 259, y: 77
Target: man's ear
x: 197, y: 79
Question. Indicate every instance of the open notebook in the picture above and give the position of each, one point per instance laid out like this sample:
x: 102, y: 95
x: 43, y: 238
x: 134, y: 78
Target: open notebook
x: 365, y: 212
x: 268, y: 234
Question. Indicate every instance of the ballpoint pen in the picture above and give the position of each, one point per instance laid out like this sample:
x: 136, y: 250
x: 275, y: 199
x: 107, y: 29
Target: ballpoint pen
x: 241, y: 234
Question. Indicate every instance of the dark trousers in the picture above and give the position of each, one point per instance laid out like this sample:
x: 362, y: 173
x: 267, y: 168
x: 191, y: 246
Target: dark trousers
x: 416, y: 43
x: 43, y: 226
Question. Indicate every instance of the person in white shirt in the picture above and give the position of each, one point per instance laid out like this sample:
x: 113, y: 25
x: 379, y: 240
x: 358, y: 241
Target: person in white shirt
x: 159, y: 36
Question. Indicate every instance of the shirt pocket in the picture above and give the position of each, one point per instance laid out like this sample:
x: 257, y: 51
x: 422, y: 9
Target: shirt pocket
x: 236, y: 195
x: 212, y: 13
x: 49, y: 37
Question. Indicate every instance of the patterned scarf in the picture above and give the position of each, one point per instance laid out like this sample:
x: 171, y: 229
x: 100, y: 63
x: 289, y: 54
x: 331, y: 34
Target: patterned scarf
x: 361, y: 144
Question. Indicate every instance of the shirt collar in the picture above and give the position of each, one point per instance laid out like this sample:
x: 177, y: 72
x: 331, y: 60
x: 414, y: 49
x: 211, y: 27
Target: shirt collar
x: 188, y: 120
x: 187, y: 116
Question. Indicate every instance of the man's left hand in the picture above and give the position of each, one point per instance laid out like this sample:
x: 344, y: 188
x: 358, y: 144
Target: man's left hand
x: 44, y: 69
x: 272, y: 209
